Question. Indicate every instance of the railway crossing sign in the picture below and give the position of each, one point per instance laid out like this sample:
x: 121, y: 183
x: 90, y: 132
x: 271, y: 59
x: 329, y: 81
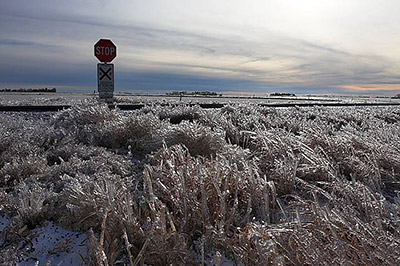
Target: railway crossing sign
x: 105, y: 50
x: 105, y: 81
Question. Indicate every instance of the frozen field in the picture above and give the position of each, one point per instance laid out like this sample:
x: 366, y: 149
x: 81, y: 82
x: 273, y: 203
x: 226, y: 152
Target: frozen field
x: 239, y: 185
x: 8, y: 98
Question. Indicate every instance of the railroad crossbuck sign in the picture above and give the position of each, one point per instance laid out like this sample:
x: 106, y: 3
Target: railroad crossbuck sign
x: 105, y: 51
x: 105, y: 81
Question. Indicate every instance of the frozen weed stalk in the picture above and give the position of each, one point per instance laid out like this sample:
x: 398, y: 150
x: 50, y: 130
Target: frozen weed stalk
x: 180, y: 185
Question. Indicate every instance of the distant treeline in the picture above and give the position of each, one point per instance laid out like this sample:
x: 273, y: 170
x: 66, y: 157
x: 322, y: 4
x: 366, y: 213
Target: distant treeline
x: 193, y: 93
x: 282, y: 94
x: 29, y: 90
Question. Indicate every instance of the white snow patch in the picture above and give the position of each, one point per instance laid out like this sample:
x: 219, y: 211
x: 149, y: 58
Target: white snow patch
x: 215, y: 258
x: 56, y: 244
x: 3, y: 222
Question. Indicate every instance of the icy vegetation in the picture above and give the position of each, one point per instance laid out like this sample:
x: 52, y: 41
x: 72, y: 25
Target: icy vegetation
x: 172, y: 184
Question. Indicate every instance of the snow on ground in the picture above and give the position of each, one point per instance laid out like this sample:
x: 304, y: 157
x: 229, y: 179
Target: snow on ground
x: 3, y: 222
x: 57, y: 245
x: 215, y: 258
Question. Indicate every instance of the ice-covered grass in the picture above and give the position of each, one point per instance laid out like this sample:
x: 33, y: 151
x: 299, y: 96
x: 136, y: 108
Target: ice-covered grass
x: 28, y: 99
x: 242, y: 185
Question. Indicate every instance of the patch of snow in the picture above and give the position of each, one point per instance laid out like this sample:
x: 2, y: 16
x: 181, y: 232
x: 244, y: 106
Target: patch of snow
x: 3, y: 222
x: 57, y: 245
x: 215, y: 258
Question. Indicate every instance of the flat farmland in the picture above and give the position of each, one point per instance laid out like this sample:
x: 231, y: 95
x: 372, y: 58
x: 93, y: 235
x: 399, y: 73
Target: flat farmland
x: 13, y: 98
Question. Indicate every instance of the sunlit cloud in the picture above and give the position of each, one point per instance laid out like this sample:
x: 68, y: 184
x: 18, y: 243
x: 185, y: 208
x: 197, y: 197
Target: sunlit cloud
x: 365, y: 88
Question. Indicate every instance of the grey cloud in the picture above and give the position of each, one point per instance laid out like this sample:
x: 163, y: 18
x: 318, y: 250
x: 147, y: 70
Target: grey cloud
x: 325, y: 65
x: 15, y: 42
x: 316, y: 65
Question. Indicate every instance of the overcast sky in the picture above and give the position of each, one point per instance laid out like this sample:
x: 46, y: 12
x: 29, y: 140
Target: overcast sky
x: 301, y: 46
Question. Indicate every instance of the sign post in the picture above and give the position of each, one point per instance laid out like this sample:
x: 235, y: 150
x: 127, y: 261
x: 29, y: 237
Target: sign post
x: 105, y: 50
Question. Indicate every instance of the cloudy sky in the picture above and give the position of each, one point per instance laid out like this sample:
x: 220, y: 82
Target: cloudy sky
x: 301, y: 46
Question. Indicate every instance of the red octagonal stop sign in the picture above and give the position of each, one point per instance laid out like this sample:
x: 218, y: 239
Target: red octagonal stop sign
x: 105, y: 50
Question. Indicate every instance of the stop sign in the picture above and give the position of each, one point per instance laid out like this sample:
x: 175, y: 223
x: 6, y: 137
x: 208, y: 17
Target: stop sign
x: 105, y: 50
